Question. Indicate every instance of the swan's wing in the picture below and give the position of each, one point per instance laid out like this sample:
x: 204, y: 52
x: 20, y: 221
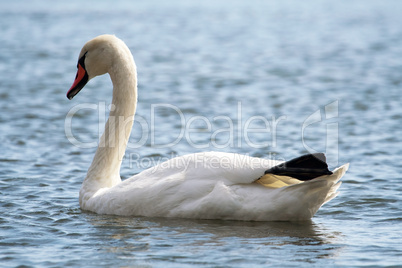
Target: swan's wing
x: 175, y: 187
x: 228, y: 167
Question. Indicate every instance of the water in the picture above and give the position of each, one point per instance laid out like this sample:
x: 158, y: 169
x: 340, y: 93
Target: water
x: 335, y: 65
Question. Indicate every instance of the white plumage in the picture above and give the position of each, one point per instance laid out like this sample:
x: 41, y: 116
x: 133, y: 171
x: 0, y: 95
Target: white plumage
x: 210, y: 185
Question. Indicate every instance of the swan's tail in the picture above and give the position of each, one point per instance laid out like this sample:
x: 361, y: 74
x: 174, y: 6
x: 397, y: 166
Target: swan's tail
x: 302, y: 169
x: 335, y: 179
x: 300, y: 200
x: 310, y: 195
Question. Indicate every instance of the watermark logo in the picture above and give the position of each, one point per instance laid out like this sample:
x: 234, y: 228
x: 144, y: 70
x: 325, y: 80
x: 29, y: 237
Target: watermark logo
x: 330, y: 115
x: 222, y: 131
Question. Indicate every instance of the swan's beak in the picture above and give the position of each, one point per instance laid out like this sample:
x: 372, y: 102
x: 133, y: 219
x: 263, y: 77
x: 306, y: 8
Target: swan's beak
x: 80, y: 81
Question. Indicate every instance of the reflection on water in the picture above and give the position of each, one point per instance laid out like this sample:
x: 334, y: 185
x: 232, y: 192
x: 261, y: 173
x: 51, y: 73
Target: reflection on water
x: 209, y: 240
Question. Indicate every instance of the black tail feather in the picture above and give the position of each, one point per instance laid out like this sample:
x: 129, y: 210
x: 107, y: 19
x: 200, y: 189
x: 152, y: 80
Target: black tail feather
x: 304, y: 168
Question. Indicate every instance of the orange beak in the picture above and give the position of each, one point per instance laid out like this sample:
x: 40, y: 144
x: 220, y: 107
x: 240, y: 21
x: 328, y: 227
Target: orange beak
x: 81, y: 79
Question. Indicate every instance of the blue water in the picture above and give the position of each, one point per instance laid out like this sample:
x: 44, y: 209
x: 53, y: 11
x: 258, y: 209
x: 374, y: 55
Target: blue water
x: 327, y: 74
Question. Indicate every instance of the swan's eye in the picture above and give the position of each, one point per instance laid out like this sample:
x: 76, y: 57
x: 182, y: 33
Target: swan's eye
x: 81, y: 61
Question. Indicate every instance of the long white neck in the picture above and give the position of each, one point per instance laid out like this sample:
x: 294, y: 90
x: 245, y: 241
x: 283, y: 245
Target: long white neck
x: 104, y: 171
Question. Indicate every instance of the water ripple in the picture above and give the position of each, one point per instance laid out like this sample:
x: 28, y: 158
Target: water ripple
x: 277, y: 59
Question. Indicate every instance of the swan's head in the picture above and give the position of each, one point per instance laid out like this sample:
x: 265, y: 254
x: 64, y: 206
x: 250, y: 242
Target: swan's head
x: 96, y: 58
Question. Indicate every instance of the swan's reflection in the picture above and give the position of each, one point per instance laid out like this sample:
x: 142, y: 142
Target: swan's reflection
x: 163, y: 238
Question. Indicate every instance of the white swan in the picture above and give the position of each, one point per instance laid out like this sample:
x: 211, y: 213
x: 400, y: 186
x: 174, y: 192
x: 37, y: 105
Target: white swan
x: 208, y: 185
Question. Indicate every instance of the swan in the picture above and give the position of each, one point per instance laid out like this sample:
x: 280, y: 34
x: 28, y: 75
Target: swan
x: 208, y: 185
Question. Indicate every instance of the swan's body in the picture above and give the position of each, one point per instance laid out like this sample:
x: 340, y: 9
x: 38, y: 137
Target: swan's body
x: 204, y: 185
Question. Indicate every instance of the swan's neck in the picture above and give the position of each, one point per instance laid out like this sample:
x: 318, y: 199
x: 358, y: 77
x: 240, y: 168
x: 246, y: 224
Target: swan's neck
x: 104, y: 171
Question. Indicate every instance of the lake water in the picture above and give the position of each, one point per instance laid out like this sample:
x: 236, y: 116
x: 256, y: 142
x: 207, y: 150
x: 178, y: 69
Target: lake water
x: 273, y: 80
